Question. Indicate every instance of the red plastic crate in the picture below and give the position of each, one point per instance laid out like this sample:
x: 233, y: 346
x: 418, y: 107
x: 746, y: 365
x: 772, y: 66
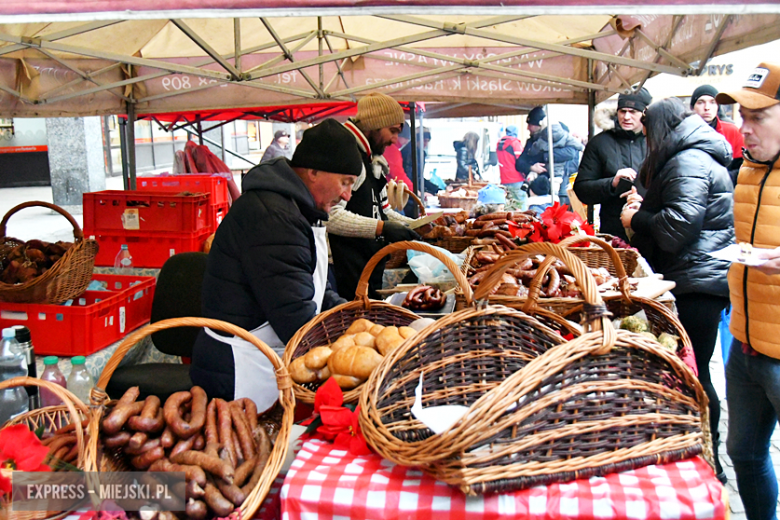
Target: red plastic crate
x: 216, y: 214
x: 213, y: 184
x: 144, y: 211
x: 95, y: 320
x: 148, y: 249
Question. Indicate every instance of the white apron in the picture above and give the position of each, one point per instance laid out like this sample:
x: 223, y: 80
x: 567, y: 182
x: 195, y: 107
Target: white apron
x: 254, y: 374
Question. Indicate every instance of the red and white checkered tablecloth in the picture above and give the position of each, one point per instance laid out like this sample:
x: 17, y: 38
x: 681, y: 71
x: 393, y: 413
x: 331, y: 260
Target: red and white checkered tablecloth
x: 327, y: 483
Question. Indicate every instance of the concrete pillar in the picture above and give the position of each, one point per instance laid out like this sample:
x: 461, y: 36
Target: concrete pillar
x: 76, y: 159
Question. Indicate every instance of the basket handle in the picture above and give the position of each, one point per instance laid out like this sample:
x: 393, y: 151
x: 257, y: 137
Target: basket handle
x: 416, y: 199
x: 597, y: 315
x: 536, y: 283
x: 78, y: 234
x: 98, y: 395
x: 72, y: 402
x: 361, y: 293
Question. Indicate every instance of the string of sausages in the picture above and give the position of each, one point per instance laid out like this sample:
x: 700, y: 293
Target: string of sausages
x: 62, y: 445
x: 489, y: 226
x: 218, y: 445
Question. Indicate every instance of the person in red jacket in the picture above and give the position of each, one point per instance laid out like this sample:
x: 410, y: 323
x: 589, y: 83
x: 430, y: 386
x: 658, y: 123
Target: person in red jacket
x: 508, y: 150
x: 395, y: 160
x: 703, y: 103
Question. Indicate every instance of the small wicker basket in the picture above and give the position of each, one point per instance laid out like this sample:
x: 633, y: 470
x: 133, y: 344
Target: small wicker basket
x: 52, y: 418
x: 327, y: 327
x: 606, y: 401
x: 115, y: 461
x: 600, y: 257
x: 66, y: 279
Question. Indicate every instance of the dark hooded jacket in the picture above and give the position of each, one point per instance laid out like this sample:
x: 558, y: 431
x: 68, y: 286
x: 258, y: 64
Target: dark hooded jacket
x: 566, y: 150
x: 610, y: 151
x: 688, y: 211
x: 260, y: 268
x: 464, y: 159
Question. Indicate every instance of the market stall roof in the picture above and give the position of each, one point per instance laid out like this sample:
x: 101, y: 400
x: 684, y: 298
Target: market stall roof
x: 95, y: 57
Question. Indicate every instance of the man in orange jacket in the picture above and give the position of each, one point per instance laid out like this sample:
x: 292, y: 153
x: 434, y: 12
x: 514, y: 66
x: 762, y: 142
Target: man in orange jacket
x: 753, y: 368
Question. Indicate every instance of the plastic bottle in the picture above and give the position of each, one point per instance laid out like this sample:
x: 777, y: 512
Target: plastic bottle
x: 123, y: 262
x: 52, y: 374
x: 25, y: 345
x: 80, y: 381
x: 13, y: 401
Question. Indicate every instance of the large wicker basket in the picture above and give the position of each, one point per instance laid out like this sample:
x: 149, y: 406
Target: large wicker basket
x: 66, y: 279
x: 327, y: 327
x: 599, y: 257
x: 115, y: 462
x: 51, y: 418
x: 607, y: 401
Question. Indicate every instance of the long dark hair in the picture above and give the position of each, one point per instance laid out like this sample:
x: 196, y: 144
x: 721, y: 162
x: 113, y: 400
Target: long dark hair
x: 660, y: 120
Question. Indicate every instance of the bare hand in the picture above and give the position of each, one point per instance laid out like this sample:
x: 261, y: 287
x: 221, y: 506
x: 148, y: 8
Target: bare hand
x: 626, y: 173
x: 632, y: 197
x: 539, y: 168
x: 772, y: 267
x: 626, y: 215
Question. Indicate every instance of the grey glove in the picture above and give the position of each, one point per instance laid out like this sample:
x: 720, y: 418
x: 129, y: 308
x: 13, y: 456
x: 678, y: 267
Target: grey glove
x: 397, y: 232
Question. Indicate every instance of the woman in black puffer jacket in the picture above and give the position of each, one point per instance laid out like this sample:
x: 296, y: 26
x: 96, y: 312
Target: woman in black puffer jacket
x: 687, y: 213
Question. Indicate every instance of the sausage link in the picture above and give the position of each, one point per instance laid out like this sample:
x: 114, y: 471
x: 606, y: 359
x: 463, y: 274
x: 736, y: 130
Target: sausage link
x: 182, y: 446
x: 144, y: 460
x: 167, y: 438
x: 148, y: 445
x: 211, y: 423
x: 191, y: 472
x: 243, y: 471
x: 225, y: 427
x: 118, y: 440
x: 250, y: 409
x: 217, y: 502
x: 119, y: 416
x: 244, y: 433
x: 173, y: 417
x: 211, y: 464
x: 137, y: 440
x: 232, y: 492
x: 196, y: 509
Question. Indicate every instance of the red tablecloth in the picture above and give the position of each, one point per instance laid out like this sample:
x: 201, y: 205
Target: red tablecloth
x: 326, y: 483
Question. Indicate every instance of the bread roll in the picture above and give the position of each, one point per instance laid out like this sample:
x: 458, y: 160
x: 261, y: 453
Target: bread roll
x: 323, y: 374
x: 354, y: 361
x: 360, y: 325
x: 347, y: 382
x: 365, y: 339
x: 388, y: 340
x: 301, y: 373
x: 316, y: 358
x: 347, y: 340
x: 376, y: 329
x: 406, y: 332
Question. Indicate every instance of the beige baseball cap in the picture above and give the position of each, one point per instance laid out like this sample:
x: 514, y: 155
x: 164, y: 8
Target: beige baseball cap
x: 760, y: 90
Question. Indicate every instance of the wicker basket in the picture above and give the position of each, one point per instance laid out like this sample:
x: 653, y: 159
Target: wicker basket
x: 398, y: 258
x: 66, y: 279
x: 52, y: 418
x: 599, y: 257
x: 327, y: 327
x: 115, y: 462
x: 452, y: 244
x: 464, y: 203
x: 604, y: 402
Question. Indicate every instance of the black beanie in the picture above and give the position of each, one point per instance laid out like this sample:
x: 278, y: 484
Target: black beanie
x: 540, y: 185
x: 637, y: 100
x: 536, y: 116
x: 328, y: 147
x: 704, y: 90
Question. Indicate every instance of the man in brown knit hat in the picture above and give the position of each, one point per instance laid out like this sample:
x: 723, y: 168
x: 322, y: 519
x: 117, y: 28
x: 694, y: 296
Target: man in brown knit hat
x: 359, y: 228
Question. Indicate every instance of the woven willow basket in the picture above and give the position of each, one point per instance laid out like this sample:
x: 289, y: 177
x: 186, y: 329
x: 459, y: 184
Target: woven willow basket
x: 598, y: 257
x: 66, y: 279
x: 604, y: 402
x: 52, y: 418
x: 115, y: 461
x: 328, y: 326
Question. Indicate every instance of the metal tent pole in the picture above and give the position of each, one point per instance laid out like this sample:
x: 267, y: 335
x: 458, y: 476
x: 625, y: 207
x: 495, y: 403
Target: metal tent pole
x: 413, y: 144
x: 123, y: 150
x: 131, y: 146
x: 591, y: 123
x: 551, y: 161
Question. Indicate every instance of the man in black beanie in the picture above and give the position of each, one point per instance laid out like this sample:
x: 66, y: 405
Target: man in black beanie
x: 703, y: 103
x: 268, y: 265
x: 612, y: 159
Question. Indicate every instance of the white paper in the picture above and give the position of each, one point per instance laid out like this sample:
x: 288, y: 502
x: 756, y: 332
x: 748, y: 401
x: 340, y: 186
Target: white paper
x: 733, y: 253
x: 437, y: 418
x: 420, y: 222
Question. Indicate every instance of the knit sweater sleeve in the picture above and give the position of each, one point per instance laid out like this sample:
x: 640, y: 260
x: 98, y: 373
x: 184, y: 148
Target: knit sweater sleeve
x: 394, y: 215
x: 347, y: 224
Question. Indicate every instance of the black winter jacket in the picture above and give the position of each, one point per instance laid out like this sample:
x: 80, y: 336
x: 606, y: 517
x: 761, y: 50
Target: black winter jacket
x: 465, y: 159
x: 610, y: 151
x: 688, y: 211
x: 260, y: 268
x: 566, y: 151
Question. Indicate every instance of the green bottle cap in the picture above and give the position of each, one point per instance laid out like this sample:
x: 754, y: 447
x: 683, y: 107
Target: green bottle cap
x: 50, y: 360
x: 78, y: 360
